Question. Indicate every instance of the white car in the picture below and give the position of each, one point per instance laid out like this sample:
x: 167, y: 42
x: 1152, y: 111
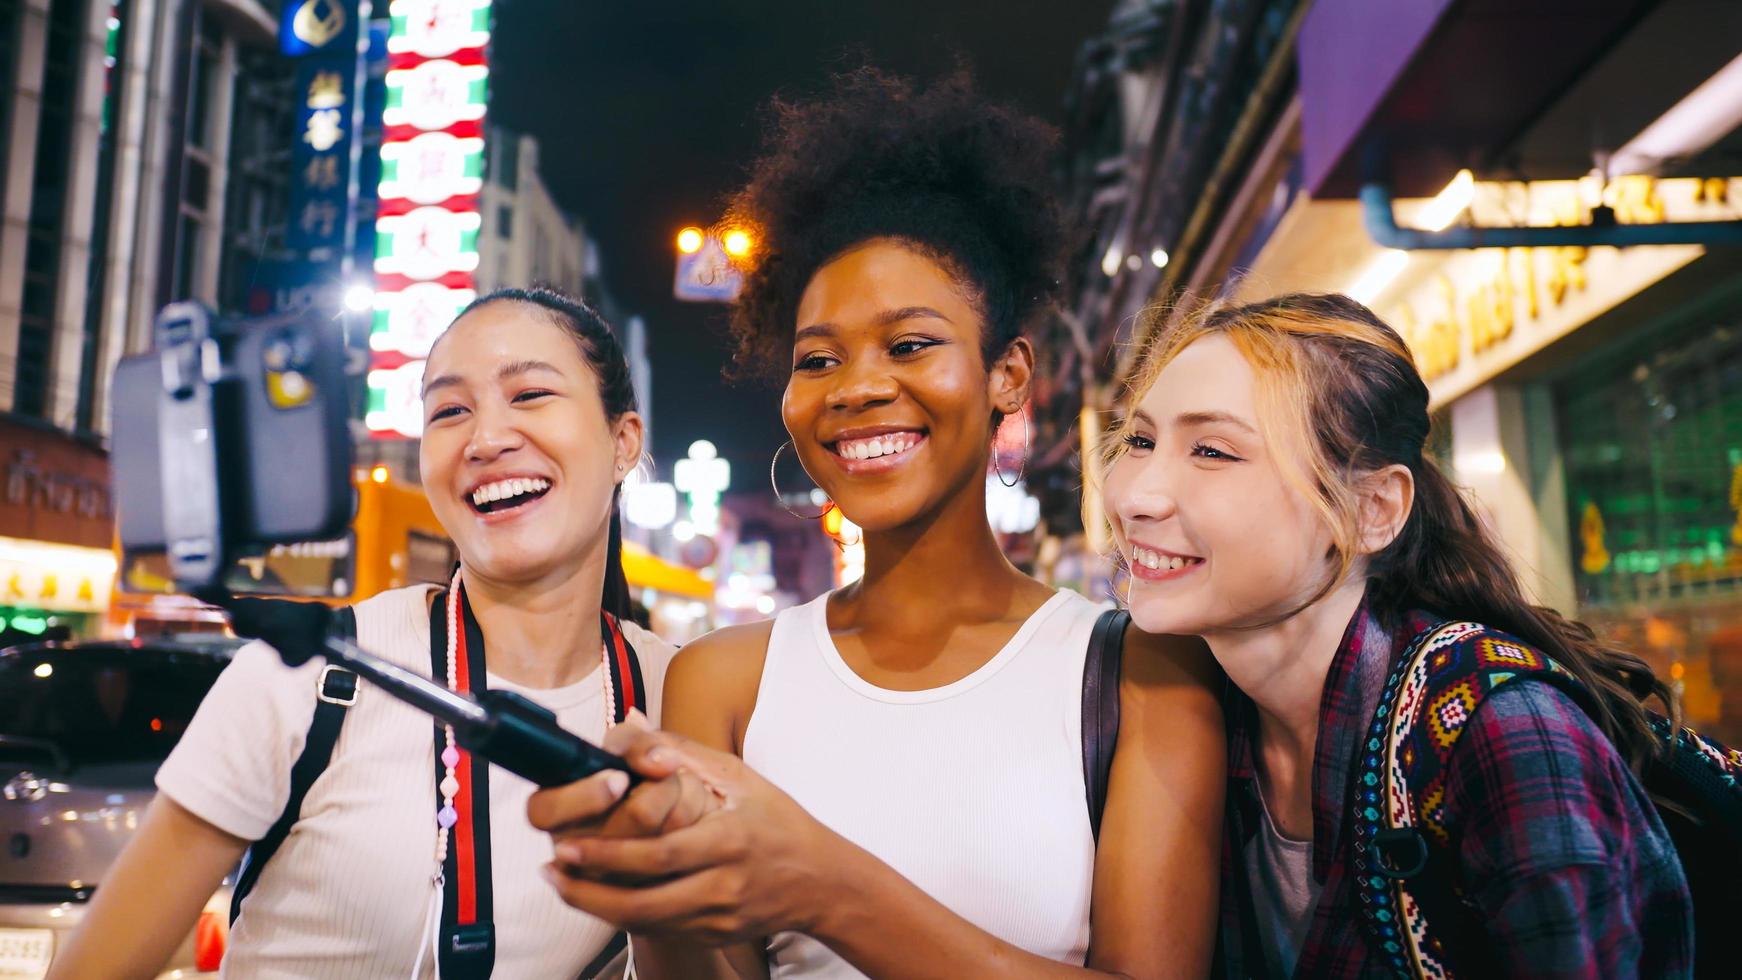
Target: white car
x: 83, y: 728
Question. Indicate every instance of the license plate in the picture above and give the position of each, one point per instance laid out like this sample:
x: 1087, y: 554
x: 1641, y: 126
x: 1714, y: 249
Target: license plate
x: 24, y: 953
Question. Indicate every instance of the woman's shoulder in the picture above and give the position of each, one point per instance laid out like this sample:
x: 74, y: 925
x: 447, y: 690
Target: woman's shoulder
x: 730, y: 655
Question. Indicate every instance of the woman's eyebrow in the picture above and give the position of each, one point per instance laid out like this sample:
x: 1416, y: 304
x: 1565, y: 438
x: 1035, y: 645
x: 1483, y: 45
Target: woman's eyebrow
x: 888, y: 317
x: 1189, y: 419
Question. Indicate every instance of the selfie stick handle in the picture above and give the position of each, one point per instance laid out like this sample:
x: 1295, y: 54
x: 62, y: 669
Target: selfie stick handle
x: 500, y: 726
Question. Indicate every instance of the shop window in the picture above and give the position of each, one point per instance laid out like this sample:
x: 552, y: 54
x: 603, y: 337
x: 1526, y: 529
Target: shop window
x: 1652, y: 446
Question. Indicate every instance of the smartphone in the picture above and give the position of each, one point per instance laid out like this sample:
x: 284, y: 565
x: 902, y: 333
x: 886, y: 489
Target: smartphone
x: 230, y: 437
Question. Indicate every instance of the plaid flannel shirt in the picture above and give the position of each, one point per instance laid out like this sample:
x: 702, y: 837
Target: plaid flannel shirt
x: 1559, y: 848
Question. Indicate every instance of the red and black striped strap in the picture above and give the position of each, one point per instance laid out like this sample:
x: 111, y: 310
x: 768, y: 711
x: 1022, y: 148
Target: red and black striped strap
x: 467, y: 946
x: 627, y: 689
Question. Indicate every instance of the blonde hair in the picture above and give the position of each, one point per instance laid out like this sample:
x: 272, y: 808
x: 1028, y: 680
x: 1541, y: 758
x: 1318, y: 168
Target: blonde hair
x: 1338, y: 387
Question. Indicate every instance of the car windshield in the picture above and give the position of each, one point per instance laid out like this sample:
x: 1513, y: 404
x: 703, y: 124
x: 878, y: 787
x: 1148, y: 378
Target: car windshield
x: 64, y: 709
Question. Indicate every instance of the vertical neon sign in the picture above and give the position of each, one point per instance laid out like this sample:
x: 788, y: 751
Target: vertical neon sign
x: 432, y: 170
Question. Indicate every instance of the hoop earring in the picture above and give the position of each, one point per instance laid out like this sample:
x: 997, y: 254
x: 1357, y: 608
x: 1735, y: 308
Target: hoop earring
x: 779, y: 498
x: 1022, y: 468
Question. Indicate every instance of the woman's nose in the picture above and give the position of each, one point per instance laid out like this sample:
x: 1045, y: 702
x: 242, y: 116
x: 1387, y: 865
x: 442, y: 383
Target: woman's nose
x: 861, y: 388
x: 493, y: 433
x: 1139, y: 492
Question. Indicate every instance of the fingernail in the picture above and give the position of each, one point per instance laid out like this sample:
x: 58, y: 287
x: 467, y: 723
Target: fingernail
x: 658, y: 755
x: 635, y: 713
x: 616, y: 782
x: 551, y: 874
x: 568, y: 852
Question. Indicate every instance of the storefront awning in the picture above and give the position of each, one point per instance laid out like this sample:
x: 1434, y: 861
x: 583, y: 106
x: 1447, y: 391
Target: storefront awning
x: 648, y: 571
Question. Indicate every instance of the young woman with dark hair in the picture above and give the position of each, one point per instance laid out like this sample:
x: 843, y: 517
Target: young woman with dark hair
x: 900, y: 761
x: 1547, y: 853
x: 530, y: 427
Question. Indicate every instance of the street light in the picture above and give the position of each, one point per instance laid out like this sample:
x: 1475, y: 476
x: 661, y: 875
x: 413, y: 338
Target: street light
x: 689, y: 241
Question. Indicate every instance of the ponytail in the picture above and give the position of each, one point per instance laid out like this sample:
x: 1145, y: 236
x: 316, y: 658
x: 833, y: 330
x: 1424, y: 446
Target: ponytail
x: 615, y: 598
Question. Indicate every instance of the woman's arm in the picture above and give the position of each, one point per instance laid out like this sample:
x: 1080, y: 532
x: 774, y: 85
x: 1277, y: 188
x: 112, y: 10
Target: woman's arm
x: 710, y: 692
x: 150, y: 897
x: 760, y: 864
x: 1158, y: 865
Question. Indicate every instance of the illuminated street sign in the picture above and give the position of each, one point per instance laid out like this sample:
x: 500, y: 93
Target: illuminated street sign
x: 432, y: 170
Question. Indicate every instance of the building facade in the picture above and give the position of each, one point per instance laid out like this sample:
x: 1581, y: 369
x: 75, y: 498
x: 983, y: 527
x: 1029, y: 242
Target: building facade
x: 129, y: 165
x: 525, y: 237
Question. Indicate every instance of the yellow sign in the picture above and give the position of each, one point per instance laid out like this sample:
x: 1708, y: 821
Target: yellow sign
x: 55, y: 577
x: 1736, y: 504
x: 1482, y: 311
x: 1595, y: 555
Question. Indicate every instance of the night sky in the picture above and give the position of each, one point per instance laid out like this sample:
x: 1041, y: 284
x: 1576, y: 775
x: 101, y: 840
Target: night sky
x: 647, y: 112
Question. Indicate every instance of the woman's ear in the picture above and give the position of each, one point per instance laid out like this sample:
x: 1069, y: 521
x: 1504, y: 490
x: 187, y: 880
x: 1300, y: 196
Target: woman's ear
x: 626, y: 437
x: 1387, y: 495
x: 1010, y: 377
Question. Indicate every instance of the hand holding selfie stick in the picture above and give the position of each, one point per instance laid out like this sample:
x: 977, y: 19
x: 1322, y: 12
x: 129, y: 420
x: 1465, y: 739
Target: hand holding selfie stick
x: 500, y: 726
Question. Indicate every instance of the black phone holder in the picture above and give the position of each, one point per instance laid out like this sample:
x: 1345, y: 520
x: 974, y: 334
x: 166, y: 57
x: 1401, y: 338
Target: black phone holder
x: 500, y: 726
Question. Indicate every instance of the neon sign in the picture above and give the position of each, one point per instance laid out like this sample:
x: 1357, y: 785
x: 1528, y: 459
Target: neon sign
x: 432, y: 170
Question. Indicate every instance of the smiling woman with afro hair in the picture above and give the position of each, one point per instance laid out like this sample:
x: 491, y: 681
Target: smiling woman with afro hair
x: 895, y: 770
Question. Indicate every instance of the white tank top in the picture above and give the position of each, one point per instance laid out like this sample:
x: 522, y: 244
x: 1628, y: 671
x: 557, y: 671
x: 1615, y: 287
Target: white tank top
x: 972, y: 791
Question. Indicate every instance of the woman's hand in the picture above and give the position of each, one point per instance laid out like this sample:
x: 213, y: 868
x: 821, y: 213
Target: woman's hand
x: 669, y: 797
x: 752, y: 865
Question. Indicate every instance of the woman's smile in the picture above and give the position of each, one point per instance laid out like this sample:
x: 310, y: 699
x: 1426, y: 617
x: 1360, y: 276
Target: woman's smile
x: 870, y: 450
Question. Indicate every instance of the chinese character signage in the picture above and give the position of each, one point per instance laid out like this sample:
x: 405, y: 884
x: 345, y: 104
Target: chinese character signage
x: 323, y: 35
x: 432, y: 170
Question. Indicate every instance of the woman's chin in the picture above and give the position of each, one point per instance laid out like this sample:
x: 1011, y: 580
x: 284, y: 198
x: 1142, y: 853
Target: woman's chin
x: 1161, y: 617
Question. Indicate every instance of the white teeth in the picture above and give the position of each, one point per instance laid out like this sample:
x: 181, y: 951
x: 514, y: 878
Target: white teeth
x: 878, y: 446
x: 1159, y: 562
x: 504, y: 489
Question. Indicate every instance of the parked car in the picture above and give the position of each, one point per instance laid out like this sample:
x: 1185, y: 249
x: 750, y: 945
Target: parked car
x: 83, y: 728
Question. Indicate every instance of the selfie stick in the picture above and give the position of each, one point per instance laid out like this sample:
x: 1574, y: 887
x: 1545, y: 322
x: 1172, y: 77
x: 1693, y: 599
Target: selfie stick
x: 517, y: 734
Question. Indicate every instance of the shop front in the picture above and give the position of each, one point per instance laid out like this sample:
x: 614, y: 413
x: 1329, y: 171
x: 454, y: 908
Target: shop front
x: 1651, y: 444
x: 56, y: 529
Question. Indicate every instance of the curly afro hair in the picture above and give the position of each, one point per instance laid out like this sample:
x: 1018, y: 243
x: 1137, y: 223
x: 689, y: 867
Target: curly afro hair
x: 962, y: 181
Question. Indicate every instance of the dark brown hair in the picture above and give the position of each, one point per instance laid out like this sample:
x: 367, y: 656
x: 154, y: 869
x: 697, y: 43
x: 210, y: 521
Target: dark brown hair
x: 957, y: 178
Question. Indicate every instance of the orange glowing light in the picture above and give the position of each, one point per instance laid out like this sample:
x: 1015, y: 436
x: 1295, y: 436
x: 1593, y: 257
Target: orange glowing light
x: 378, y: 474
x: 737, y: 242
x: 689, y: 241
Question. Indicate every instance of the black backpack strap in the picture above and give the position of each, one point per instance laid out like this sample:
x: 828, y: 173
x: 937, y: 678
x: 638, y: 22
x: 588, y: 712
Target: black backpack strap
x: 612, y: 950
x: 335, y: 692
x: 1101, y: 709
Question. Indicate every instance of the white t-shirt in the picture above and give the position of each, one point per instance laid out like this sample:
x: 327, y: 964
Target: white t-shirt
x: 348, y: 892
